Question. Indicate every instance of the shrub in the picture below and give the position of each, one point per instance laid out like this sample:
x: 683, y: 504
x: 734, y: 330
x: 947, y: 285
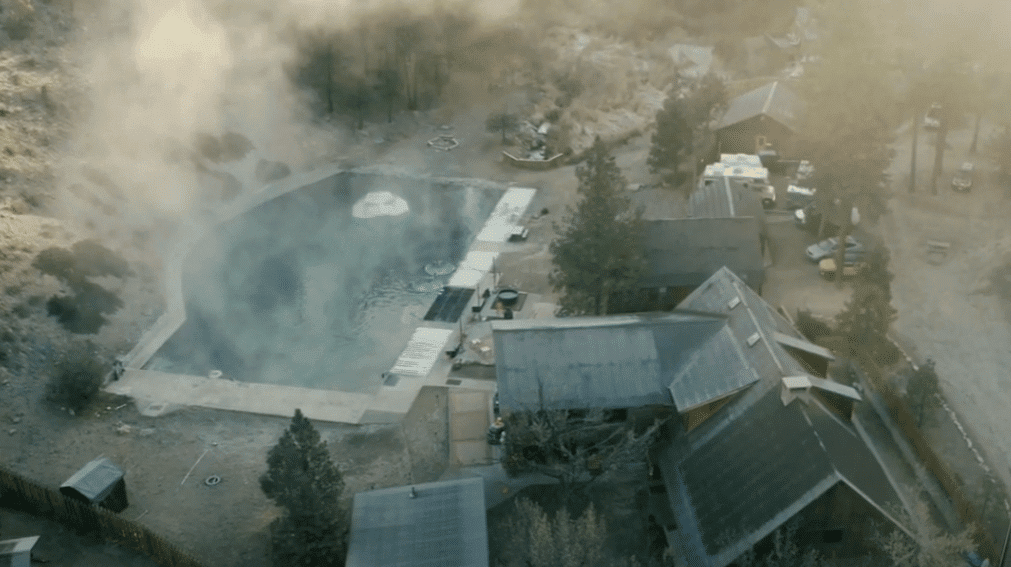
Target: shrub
x: 93, y: 259
x: 76, y: 378
x: 810, y: 326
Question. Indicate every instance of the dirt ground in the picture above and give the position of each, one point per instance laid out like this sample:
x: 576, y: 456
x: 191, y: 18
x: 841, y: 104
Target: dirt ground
x: 948, y: 309
x: 47, y: 444
x: 944, y: 310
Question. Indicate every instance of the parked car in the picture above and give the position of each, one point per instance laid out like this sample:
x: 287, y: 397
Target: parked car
x: 852, y: 266
x: 799, y: 197
x: 826, y: 248
x: 962, y: 182
x: 932, y: 120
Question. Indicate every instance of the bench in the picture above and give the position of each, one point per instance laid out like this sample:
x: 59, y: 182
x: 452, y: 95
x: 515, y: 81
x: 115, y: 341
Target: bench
x: 938, y: 246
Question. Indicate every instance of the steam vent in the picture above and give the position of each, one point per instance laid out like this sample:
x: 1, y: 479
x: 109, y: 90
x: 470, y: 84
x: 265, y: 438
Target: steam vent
x: 334, y: 292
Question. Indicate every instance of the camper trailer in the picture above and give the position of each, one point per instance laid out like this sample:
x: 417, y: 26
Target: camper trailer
x: 746, y: 169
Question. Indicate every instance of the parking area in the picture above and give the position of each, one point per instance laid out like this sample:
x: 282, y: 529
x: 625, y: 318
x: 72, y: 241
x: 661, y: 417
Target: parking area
x: 792, y: 281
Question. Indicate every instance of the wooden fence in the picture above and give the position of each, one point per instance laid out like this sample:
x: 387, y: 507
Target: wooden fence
x: 952, y: 485
x: 23, y: 495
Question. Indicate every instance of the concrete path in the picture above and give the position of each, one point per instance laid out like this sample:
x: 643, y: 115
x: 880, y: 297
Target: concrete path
x: 157, y: 393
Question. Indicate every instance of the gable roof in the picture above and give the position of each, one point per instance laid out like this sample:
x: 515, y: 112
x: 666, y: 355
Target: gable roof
x: 724, y: 197
x: 738, y: 486
x: 774, y: 100
x: 686, y: 252
x: 95, y: 480
x: 445, y: 525
x: 748, y: 316
x: 681, y: 359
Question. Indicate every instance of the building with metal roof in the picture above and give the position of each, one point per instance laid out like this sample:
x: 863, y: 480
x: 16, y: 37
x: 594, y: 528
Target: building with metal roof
x: 684, y: 253
x: 17, y: 552
x: 767, y: 116
x: 730, y: 490
x: 98, y: 482
x: 725, y: 197
x: 425, y: 525
x: 773, y: 451
x: 679, y: 359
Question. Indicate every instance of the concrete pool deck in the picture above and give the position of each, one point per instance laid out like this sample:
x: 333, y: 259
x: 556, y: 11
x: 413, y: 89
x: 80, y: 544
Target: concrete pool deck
x: 422, y: 362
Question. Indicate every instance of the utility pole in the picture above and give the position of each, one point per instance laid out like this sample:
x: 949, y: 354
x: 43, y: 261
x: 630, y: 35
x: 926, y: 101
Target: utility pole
x: 912, y: 160
x: 1003, y: 550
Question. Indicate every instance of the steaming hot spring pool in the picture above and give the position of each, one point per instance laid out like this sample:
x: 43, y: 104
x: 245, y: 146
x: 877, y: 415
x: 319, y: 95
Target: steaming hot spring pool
x: 322, y: 287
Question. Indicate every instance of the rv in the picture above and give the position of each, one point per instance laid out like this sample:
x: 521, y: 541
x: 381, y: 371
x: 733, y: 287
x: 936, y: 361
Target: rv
x: 746, y: 169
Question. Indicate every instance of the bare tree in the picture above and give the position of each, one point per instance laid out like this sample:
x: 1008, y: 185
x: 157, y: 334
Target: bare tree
x: 928, y: 545
x: 576, y: 448
x: 536, y: 539
x: 785, y: 551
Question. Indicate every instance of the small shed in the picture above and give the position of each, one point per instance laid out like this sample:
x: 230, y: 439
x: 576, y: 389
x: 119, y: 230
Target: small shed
x: 17, y: 552
x: 98, y: 482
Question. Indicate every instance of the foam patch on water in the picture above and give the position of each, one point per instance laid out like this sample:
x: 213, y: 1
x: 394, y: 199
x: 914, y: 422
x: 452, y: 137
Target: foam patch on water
x: 380, y: 204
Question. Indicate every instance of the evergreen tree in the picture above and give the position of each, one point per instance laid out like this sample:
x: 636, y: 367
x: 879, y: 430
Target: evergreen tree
x: 302, y: 479
x: 922, y: 389
x: 599, y: 253
x: 672, y: 140
x: 503, y: 122
x: 864, y: 322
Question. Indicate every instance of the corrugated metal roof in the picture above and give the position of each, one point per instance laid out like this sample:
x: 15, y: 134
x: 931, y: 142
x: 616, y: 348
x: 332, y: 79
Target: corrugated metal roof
x: 774, y: 100
x: 752, y: 315
x: 725, y: 197
x: 10, y: 547
x: 853, y: 459
x: 804, y: 345
x: 443, y: 526
x: 743, y: 483
x: 658, y: 203
x: 95, y: 480
x: 595, y: 362
x: 685, y: 252
x: 835, y: 388
x: 741, y: 479
x: 712, y: 371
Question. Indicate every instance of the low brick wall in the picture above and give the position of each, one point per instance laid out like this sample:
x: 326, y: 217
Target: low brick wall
x: 534, y: 164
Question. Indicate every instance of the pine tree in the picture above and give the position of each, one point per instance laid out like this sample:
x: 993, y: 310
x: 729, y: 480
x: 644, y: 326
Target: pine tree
x: 864, y: 322
x: 599, y: 253
x: 672, y: 140
x: 302, y: 479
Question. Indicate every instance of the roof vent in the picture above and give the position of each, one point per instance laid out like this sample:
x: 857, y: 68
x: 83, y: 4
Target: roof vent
x: 753, y: 339
x: 733, y: 302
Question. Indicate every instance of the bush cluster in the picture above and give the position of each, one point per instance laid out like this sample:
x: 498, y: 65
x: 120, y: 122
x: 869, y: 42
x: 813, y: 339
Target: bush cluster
x: 76, y: 378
